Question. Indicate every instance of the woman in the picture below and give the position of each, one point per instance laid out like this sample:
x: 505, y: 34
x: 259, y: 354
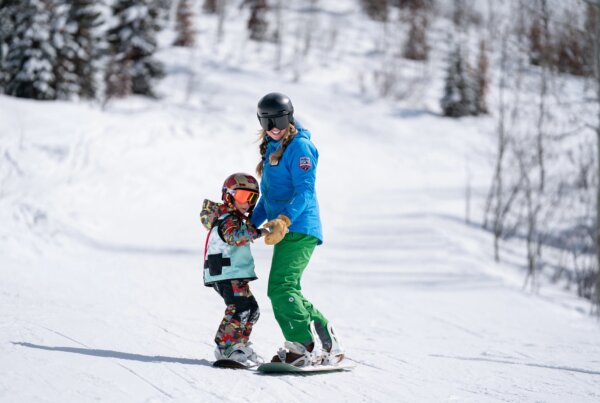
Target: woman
x: 288, y: 199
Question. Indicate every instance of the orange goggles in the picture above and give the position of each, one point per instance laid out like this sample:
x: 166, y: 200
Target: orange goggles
x: 245, y: 196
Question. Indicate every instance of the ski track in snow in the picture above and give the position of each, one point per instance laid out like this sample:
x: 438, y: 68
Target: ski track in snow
x: 530, y: 364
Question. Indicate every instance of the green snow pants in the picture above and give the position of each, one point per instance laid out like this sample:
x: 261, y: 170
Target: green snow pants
x: 292, y: 310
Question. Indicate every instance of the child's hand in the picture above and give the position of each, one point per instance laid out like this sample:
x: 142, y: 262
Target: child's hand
x: 279, y: 227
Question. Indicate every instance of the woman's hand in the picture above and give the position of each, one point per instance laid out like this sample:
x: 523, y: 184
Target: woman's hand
x: 278, y: 227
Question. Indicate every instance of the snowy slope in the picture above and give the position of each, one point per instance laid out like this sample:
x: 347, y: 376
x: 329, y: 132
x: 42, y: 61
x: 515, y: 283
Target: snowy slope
x: 100, y: 252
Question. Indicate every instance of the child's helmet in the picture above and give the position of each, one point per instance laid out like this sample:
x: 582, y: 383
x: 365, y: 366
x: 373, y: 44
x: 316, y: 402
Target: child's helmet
x: 275, y: 110
x: 240, y: 182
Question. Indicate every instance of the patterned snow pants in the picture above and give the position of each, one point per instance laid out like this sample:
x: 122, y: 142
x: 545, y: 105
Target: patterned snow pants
x: 240, y: 315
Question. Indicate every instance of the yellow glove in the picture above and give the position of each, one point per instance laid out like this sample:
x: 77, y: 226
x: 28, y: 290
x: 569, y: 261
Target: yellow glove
x: 279, y: 227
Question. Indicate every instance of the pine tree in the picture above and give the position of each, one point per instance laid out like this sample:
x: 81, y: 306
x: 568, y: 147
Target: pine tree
x: 184, y: 25
x: 592, y: 19
x: 84, y: 20
x: 132, y: 42
x: 8, y: 20
x: 459, y: 96
x: 118, y: 77
x: 62, y: 39
x: 163, y: 6
x: 162, y: 9
x: 30, y: 58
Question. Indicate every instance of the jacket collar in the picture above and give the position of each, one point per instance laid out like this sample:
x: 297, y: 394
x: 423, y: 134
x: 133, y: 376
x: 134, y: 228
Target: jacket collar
x: 302, y: 133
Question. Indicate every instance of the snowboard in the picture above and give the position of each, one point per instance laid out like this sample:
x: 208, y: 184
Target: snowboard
x: 283, y: 368
x: 231, y: 364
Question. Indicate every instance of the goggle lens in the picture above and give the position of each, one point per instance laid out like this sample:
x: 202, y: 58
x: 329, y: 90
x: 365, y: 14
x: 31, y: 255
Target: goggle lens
x: 245, y: 196
x: 268, y: 123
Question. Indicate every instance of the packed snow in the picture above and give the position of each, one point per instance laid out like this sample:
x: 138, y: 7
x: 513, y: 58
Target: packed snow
x: 101, y: 249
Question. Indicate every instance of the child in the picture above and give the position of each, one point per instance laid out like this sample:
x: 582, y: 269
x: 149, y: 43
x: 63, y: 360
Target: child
x: 229, y: 266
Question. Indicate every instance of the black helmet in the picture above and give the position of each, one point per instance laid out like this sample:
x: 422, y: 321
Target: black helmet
x: 275, y: 110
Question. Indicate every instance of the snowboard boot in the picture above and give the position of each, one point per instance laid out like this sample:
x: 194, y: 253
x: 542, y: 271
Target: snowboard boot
x: 240, y: 352
x: 335, y: 353
x: 297, y: 354
x: 301, y: 355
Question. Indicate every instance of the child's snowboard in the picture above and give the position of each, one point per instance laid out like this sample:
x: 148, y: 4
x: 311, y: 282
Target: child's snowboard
x: 231, y: 364
x: 283, y: 368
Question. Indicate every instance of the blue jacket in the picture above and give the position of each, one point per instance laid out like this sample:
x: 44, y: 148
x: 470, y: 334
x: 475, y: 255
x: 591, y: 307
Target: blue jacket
x: 288, y: 188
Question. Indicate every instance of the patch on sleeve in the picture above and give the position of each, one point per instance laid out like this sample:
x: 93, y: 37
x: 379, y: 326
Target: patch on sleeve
x: 305, y: 163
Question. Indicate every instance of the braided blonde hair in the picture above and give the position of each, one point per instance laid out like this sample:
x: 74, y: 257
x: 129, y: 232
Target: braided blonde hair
x: 274, y: 158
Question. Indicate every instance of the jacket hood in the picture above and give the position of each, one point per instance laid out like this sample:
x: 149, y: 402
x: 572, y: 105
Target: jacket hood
x: 211, y: 211
x: 302, y: 132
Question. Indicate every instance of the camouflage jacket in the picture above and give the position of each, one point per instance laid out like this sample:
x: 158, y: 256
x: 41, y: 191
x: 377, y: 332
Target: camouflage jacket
x: 234, y: 229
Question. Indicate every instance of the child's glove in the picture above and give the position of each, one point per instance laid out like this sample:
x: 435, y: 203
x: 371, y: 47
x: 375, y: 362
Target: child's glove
x: 279, y: 227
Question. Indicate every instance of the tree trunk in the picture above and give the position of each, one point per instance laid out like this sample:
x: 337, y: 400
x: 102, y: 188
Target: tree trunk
x: 596, y: 298
x: 597, y: 223
x: 222, y: 11
x: 498, y: 215
x: 597, y: 232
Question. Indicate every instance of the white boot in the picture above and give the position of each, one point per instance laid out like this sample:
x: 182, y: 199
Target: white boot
x: 240, y: 352
x: 297, y: 354
x: 219, y: 353
x: 337, y: 352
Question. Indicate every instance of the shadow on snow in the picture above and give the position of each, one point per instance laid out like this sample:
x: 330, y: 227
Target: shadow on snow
x: 118, y: 354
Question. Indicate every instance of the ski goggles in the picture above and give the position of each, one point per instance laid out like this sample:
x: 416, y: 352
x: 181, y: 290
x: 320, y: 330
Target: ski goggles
x: 269, y: 122
x: 244, y: 196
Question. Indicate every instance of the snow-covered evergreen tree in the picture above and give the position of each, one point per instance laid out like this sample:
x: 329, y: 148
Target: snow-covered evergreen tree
x: 84, y: 45
x: 132, y: 43
x: 60, y: 32
x: 118, y: 78
x: 62, y: 39
x: 459, y: 96
x: 31, y: 58
x: 163, y: 11
x: 8, y: 18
